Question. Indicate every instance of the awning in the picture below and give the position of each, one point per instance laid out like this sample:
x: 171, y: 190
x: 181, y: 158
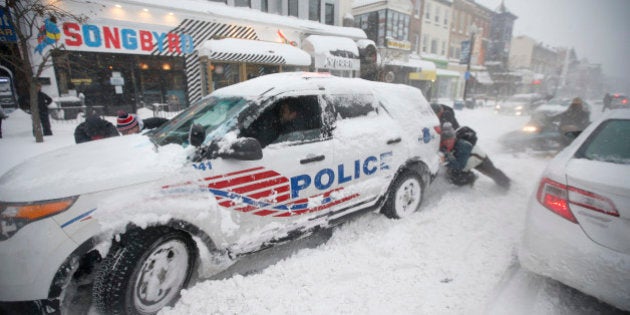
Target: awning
x: 447, y: 73
x: 483, y: 77
x: 254, y: 51
x: 427, y: 70
x: 332, y: 52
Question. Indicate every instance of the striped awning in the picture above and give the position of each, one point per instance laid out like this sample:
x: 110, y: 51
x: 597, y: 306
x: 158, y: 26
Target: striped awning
x: 254, y: 51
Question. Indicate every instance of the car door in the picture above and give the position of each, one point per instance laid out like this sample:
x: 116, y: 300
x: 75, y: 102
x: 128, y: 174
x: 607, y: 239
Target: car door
x: 282, y: 192
x: 367, y: 144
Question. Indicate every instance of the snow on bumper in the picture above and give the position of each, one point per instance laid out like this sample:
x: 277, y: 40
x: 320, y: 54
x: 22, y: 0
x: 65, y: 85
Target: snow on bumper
x: 559, y: 249
x: 30, y: 259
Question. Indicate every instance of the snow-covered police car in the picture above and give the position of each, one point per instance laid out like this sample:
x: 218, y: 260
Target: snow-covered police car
x: 251, y: 165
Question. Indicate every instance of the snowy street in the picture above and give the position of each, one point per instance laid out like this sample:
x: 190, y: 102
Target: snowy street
x: 456, y: 256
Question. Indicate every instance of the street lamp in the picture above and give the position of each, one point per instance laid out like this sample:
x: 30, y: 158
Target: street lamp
x: 473, y: 30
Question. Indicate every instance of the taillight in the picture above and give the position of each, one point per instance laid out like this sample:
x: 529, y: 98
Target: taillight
x: 557, y: 197
x: 554, y: 196
x: 624, y: 101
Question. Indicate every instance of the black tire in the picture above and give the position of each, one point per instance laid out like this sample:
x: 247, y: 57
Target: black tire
x: 128, y: 282
x: 404, y: 196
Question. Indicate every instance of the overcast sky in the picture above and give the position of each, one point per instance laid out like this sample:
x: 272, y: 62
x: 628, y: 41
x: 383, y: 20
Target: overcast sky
x: 599, y: 30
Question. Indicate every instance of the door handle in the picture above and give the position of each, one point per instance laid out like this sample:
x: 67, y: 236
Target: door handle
x: 312, y: 159
x: 394, y: 141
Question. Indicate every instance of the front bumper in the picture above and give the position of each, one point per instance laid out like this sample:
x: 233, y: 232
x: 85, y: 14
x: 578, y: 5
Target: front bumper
x: 30, y: 259
x: 559, y: 249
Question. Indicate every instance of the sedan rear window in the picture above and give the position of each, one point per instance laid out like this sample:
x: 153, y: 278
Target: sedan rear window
x: 608, y: 143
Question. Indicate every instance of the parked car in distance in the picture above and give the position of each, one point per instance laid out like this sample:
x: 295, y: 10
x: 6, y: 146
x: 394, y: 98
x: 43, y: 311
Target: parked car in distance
x: 576, y: 228
x: 556, y: 106
x: 519, y: 104
x: 618, y: 100
x: 137, y: 216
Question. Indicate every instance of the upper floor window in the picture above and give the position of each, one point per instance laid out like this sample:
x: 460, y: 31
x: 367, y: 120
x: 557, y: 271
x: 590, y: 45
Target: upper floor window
x: 425, y: 43
x: 446, y: 15
x: 243, y: 3
x: 330, y: 14
x: 417, y: 7
x: 427, y: 11
x: 437, y: 14
x: 314, y: 9
x: 293, y: 8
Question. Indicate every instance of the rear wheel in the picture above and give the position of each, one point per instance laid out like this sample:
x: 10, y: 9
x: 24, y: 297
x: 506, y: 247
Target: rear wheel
x: 144, y: 272
x: 404, y: 196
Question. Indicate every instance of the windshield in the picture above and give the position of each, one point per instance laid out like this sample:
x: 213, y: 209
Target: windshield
x: 212, y: 113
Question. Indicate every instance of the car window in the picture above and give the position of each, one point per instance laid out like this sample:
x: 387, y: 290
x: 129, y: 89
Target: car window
x: 351, y: 105
x: 289, y: 119
x: 608, y: 143
x: 211, y: 113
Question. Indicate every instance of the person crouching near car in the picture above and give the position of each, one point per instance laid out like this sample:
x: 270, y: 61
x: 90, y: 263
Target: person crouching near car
x: 574, y: 119
x: 129, y: 124
x: 94, y: 128
x: 462, y: 154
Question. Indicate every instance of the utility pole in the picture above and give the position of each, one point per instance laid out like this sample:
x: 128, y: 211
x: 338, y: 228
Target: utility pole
x: 473, y: 30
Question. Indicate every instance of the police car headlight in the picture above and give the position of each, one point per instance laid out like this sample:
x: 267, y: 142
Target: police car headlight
x: 14, y: 216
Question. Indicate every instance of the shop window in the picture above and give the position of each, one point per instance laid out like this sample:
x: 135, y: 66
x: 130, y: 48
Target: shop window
x: 254, y: 70
x: 243, y: 3
x: 293, y: 8
x: 330, y: 14
x: 434, y: 44
x: 224, y: 74
x: 314, y: 10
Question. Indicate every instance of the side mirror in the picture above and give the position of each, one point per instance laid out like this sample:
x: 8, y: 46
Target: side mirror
x: 247, y: 149
x: 197, y: 135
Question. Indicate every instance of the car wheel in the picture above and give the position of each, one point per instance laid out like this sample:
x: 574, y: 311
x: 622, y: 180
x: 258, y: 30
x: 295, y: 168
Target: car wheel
x: 404, y: 196
x: 144, y: 272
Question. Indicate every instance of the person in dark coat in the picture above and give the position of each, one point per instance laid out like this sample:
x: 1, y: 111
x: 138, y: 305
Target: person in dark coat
x: 574, y: 119
x: 445, y: 114
x: 94, y: 128
x: 3, y: 116
x: 129, y: 124
x: 607, y: 101
x: 43, y: 101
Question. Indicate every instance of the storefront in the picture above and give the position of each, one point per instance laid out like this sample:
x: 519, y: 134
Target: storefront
x: 131, y: 55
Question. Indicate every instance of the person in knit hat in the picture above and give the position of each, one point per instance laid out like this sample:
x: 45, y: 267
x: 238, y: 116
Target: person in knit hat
x: 129, y: 123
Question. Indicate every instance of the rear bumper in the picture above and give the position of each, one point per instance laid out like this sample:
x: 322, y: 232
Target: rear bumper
x: 559, y: 249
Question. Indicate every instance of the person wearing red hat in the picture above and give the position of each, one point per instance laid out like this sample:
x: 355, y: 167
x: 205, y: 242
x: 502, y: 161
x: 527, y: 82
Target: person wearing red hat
x: 129, y: 124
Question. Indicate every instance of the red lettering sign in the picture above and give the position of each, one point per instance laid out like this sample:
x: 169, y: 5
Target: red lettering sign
x: 73, y: 37
x: 173, y: 43
x: 146, y: 41
x: 111, y: 38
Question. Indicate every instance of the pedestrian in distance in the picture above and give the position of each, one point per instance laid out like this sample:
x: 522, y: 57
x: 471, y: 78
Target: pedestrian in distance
x: 129, y: 123
x: 94, y: 128
x: 607, y: 101
x: 43, y: 100
x: 3, y: 116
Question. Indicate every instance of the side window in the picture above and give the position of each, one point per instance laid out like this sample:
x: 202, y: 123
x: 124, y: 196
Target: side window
x: 289, y: 119
x: 352, y: 105
x: 608, y: 143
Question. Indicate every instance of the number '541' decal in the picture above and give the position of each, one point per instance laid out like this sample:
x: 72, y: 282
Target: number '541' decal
x: 202, y: 166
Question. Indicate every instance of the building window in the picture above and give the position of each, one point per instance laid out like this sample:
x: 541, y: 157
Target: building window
x: 446, y: 14
x: 314, y: 9
x: 434, y: 44
x: 425, y: 43
x: 243, y: 3
x: 293, y: 8
x: 264, y: 6
x: 417, y: 7
x: 427, y: 12
x: 330, y: 14
x: 437, y: 15
x: 443, y: 52
x: 397, y: 25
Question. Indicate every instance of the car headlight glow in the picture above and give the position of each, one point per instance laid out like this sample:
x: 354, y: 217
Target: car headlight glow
x: 520, y: 107
x: 14, y: 216
x: 530, y: 129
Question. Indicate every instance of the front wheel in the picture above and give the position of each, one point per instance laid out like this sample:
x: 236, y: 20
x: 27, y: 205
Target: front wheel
x: 144, y: 272
x: 405, y: 196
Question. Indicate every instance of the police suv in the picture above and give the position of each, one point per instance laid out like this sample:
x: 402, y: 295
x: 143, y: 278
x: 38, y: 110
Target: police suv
x: 134, y: 218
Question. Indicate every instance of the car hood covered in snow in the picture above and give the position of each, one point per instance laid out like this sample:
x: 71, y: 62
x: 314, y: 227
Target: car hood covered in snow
x: 90, y: 167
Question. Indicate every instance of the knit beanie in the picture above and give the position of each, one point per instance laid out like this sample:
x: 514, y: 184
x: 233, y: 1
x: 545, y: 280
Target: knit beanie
x: 448, y: 131
x: 125, y: 121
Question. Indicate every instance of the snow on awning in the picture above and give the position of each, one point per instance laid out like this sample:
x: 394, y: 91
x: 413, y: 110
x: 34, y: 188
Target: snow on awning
x: 483, y: 77
x: 254, y: 51
x: 424, y: 70
x: 332, y: 52
x: 447, y: 73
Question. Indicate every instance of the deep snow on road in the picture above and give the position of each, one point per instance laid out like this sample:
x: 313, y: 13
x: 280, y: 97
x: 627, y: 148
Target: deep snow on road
x: 456, y: 256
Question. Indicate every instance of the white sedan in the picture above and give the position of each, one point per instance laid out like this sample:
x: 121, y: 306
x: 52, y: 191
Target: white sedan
x: 577, y: 228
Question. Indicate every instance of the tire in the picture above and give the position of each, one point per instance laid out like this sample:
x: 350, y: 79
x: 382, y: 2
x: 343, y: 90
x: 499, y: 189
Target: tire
x: 128, y: 280
x: 404, y: 196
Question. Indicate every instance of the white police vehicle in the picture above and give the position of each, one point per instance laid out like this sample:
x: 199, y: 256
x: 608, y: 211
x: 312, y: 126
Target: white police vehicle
x: 136, y: 217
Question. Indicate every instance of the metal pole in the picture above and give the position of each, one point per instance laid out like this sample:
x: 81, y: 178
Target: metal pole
x: 470, y: 50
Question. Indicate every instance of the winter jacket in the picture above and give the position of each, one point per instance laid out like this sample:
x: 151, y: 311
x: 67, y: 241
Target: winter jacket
x: 94, y: 128
x: 152, y: 123
x: 43, y: 101
x: 458, y: 158
x: 448, y: 115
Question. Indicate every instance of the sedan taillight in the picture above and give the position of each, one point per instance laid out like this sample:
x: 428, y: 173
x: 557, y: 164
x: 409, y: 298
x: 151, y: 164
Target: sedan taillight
x: 557, y: 197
